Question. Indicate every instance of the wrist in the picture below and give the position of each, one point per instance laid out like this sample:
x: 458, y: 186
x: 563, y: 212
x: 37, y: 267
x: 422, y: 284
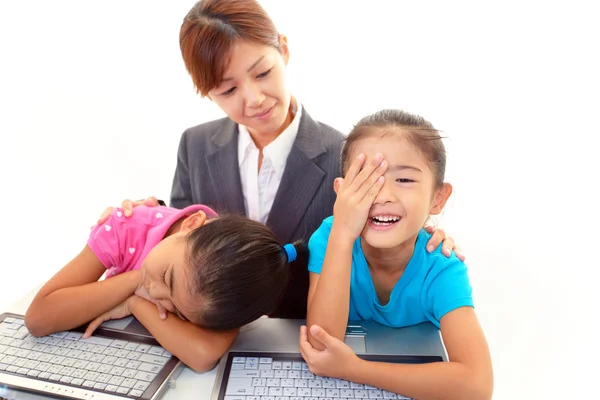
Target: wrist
x: 341, y: 235
x: 356, y: 370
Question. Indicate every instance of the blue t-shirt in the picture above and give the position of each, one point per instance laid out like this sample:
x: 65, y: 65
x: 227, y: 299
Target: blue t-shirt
x: 431, y: 285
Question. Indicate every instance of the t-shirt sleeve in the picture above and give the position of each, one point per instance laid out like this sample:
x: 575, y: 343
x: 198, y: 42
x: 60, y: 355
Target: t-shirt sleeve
x: 447, y: 288
x: 317, y: 245
x: 107, y: 241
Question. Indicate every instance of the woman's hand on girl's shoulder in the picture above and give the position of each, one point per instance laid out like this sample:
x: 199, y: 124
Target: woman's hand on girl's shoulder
x: 438, y: 235
x: 127, y: 207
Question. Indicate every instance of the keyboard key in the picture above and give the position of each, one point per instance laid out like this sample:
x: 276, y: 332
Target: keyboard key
x: 244, y: 373
x: 55, y: 377
x: 133, y: 364
x: 119, y: 344
x: 149, y: 367
x: 44, y: 375
x: 123, y: 390
x: 128, y: 383
x: 141, y: 385
x: 129, y: 373
x: 144, y: 348
x: 156, y: 350
x: 239, y: 386
x: 136, y: 393
x: 131, y: 346
x: 74, y: 335
x: 111, y: 388
x: 149, y: 358
x: 97, y: 341
x: 145, y: 376
x: 116, y: 381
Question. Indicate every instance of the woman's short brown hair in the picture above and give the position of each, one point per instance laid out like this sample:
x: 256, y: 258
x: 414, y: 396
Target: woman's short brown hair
x: 210, y: 30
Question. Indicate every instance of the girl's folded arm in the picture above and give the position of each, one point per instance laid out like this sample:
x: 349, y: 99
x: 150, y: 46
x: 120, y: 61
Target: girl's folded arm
x: 74, y: 296
x: 468, y: 374
x: 198, y: 348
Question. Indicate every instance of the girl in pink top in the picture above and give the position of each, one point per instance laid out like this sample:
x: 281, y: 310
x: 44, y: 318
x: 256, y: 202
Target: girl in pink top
x: 207, y: 274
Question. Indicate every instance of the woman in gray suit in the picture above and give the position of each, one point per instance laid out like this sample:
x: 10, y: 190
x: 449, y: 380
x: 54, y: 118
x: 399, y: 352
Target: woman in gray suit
x: 268, y: 159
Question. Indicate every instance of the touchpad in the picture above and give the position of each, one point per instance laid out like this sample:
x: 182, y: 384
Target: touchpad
x: 118, y: 324
x: 357, y: 343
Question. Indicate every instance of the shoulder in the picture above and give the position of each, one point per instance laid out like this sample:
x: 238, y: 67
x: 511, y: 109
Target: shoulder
x: 321, y: 235
x: 436, y: 262
x: 204, y: 132
x: 330, y: 137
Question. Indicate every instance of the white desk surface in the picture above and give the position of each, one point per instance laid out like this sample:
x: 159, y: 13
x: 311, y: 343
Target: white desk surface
x: 189, y: 385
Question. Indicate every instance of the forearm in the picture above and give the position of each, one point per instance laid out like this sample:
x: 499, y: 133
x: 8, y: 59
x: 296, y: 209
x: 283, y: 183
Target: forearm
x: 330, y: 304
x: 70, y: 307
x: 198, y: 348
x: 435, y: 381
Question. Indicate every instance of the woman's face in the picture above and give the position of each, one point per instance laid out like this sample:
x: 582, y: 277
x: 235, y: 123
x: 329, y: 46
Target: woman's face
x: 254, y: 91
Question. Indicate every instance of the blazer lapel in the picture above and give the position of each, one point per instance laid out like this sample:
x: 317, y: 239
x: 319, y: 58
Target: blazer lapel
x: 300, y: 181
x: 223, y: 169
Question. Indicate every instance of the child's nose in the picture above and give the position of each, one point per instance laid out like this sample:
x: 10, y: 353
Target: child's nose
x: 386, y: 194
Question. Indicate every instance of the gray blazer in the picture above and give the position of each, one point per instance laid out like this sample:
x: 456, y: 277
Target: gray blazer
x: 208, y: 173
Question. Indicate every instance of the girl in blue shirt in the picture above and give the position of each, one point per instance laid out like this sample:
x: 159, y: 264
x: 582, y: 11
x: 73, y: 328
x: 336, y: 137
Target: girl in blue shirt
x: 369, y: 262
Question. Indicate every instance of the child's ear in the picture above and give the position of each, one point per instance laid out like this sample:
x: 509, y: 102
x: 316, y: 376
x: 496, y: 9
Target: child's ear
x: 336, y: 184
x: 440, y: 198
x: 193, y: 221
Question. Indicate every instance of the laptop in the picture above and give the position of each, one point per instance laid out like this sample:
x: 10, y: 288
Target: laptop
x: 264, y: 361
x: 120, y: 361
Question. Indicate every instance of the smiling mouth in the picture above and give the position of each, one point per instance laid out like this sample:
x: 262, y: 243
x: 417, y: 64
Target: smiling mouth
x: 263, y: 113
x: 385, y: 220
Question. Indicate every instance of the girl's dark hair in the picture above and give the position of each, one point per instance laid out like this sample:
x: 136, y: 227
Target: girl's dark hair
x: 210, y: 30
x: 240, y: 271
x: 418, y: 131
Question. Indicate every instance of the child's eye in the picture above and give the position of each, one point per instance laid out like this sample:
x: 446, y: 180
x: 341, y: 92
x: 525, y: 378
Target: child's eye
x: 264, y: 74
x: 404, y: 180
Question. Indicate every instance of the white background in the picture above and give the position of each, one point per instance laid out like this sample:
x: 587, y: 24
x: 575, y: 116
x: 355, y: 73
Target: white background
x: 94, y: 97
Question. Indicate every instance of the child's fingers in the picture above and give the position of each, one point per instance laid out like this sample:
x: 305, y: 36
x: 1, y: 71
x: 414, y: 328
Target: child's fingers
x: 105, y: 215
x: 93, y: 326
x: 354, y: 168
x: 127, y: 207
x: 372, y: 192
x: 371, y: 167
x: 438, y: 236
x: 150, y: 201
x: 374, y: 179
x: 162, y: 312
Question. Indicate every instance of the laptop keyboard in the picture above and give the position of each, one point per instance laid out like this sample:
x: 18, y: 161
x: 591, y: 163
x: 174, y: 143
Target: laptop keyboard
x: 103, y: 364
x: 264, y: 378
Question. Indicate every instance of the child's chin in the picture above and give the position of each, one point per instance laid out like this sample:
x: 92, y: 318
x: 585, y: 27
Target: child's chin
x: 381, y: 241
